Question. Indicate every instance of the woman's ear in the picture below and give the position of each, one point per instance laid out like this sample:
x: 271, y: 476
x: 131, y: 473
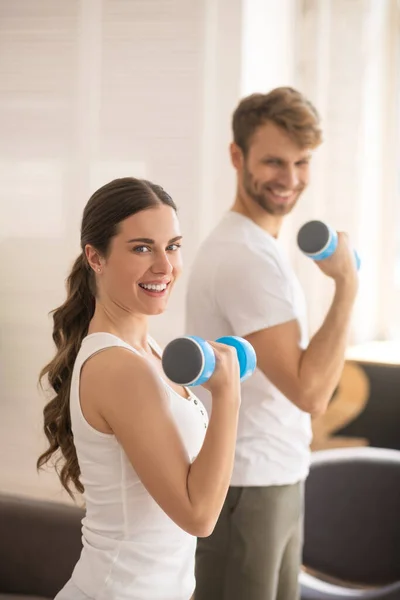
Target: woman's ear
x: 93, y: 258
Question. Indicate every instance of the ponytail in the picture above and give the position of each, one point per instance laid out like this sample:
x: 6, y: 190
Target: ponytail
x: 71, y: 322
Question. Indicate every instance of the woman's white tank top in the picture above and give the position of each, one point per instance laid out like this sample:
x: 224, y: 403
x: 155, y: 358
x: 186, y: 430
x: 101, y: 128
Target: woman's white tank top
x: 131, y: 549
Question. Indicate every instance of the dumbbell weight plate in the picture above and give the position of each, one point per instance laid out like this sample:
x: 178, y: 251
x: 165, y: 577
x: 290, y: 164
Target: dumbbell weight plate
x: 313, y: 237
x: 188, y: 360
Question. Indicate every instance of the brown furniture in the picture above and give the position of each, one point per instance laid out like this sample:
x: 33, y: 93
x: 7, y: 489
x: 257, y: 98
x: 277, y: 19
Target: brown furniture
x: 40, y: 543
x: 365, y: 409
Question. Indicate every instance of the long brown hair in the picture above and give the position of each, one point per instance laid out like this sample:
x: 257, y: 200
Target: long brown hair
x: 105, y: 210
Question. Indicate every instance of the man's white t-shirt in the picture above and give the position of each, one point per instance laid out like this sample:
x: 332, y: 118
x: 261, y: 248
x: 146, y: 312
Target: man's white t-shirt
x: 242, y: 282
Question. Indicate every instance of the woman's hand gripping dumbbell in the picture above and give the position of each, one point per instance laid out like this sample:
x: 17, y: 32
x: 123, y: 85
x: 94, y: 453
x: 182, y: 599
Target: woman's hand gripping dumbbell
x: 190, y: 360
x: 319, y: 241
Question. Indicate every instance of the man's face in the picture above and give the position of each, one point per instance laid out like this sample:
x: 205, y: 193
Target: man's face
x: 275, y: 170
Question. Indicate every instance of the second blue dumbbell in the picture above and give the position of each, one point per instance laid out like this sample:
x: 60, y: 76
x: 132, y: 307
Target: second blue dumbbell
x: 318, y: 241
x: 190, y: 360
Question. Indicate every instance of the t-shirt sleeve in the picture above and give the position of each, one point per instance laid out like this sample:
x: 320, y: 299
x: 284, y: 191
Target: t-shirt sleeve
x: 253, y: 293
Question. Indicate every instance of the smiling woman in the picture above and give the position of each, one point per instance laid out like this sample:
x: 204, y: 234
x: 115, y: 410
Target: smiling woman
x: 125, y: 437
x: 139, y: 266
x: 103, y: 282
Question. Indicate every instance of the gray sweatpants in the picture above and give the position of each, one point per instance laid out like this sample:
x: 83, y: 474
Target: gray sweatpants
x: 254, y: 552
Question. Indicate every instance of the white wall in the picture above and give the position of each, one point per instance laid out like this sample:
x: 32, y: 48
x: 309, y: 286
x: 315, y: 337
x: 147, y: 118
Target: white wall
x: 91, y: 90
x: 221, y: 90
x: 268, y: 29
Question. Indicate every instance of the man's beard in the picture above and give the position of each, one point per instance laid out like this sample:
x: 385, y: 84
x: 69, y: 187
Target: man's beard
x: 255, y: 190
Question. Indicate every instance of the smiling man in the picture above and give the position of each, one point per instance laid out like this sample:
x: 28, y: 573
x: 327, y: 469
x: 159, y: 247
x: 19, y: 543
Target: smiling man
x: 243, y: 284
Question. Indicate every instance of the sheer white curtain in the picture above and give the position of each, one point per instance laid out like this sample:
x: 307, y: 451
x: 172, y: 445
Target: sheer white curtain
x: 89, y: 90
x: 347, y: 63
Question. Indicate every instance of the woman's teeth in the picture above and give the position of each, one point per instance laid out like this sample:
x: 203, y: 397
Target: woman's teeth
x: 154, y: 287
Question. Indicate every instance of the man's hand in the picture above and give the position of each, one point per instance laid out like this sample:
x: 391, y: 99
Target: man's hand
x: 341, y: 265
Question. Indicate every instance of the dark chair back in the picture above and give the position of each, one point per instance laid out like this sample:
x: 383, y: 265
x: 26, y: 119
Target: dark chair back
x: 352, y: 516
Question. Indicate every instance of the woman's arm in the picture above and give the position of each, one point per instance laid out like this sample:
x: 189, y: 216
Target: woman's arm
x: 128, y: 393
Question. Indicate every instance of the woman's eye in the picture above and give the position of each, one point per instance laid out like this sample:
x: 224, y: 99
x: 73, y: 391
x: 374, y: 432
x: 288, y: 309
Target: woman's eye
x: 141, y: 249
x: 174, y: 247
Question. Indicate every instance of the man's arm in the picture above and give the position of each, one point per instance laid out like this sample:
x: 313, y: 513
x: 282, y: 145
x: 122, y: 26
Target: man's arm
x: 309, y: 377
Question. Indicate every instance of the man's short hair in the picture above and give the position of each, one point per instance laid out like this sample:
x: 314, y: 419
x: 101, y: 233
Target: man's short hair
x: 284, y: 106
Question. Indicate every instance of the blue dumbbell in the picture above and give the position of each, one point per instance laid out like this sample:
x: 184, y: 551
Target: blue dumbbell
x: 318, y: 241
x: 190, y: 360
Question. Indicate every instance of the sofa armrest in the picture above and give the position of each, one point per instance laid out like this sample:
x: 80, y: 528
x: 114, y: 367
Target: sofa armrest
x: 40, y: 543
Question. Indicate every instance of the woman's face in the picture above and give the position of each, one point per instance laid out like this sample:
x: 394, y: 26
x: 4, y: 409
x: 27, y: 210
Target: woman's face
x: 143, y: 262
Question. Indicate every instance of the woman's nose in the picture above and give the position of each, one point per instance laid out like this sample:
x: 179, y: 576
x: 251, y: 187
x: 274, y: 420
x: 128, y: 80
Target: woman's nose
x: 161, y: 264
